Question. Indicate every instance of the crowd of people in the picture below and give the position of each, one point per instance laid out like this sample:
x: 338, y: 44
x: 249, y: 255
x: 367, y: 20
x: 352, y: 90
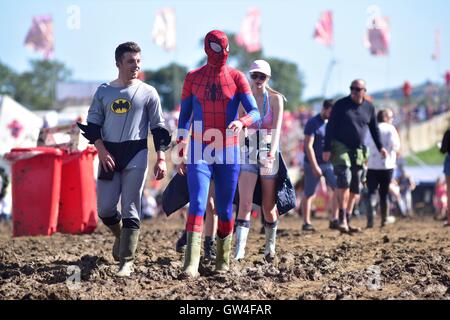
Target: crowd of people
x: 231, y: 136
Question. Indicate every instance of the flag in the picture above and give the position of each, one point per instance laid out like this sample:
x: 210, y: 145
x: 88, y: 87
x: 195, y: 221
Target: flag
x: 407, y: 89
x: 249, y: 35
x: 164, y: 30
x: 437, y: 46
x: 40, y: 36
x: 323, y: 33
x: 378, y: 37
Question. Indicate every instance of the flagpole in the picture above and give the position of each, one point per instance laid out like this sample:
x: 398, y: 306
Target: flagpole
x: 176, y: 97
x: 323, y: 32
x: 333, y: 57
x: 175, y: 75
x: 328, y: 72
x: 388, y: 75
x: 437, y: 53
x: 438, y: 67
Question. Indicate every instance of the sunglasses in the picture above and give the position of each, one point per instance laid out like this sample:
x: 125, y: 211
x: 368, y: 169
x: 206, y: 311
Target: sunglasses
x: 357, y: 89
x: 260, y: 76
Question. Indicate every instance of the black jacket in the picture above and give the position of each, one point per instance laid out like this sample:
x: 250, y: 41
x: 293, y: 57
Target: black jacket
x: 176, y: 194
x: 285, y: 193
x: 349, y: 123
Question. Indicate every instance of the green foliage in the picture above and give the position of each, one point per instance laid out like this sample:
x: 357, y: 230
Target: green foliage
x: 7, y: 80
x: 288, y: 80
x: 430, y: 157
x: 168, y: 81
x: 239, y: 56
x: 36, y: 89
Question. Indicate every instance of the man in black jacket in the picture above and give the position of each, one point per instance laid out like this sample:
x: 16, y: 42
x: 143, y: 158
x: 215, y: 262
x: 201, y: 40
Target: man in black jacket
x: 350, y: 119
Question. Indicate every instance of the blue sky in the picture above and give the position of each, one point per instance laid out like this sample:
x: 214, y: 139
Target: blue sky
x: 287, y: 28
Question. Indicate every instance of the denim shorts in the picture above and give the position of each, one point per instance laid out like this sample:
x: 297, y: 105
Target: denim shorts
x: 311, y: 181
x: 257, y: 168
x: 447, y: 165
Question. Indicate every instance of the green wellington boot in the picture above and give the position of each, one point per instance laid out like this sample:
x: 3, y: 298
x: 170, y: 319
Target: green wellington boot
x: 128, y: 244
x: 223, y: 253
x: 192, y: 255
x: 116, y: 229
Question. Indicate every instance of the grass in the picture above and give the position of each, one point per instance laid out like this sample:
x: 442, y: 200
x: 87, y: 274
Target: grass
x: 430, y: 157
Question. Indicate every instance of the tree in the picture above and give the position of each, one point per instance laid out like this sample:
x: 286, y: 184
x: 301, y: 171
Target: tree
x: 168, y: 81
x: 239, y: 56
x: 36, y: 89
x: 288, y: 80
x: 7, y: 80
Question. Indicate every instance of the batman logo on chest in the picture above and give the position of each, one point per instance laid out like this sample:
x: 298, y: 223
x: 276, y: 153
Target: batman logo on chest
x: 120, y: 106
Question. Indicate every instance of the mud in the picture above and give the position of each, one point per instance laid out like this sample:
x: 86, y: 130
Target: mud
x: 407, y: 260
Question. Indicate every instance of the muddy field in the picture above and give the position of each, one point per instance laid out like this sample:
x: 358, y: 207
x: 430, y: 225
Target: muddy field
x: 408, y: 260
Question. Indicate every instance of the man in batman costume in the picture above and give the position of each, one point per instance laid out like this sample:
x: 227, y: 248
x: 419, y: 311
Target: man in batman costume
x: 119, y: 118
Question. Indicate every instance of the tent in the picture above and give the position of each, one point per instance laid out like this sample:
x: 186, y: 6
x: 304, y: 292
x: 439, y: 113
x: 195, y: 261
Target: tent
x: 19, y: 127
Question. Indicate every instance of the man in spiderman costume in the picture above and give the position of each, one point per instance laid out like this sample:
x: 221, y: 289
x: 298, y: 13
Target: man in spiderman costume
x: 211, y: 97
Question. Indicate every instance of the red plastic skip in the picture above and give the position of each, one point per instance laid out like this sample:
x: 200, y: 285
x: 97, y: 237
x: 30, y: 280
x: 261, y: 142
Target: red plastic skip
x: 36, y: 177
x: 78, y: 201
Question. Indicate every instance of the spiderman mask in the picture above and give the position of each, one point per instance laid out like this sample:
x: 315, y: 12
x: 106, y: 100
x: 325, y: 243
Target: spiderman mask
x: 217, y: 48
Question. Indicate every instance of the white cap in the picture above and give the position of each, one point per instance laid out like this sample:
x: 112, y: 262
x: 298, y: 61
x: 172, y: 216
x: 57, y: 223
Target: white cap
x: 261, y: 66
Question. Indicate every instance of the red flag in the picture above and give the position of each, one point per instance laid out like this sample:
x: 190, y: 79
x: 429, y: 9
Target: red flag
x: 447, y: 79
x: 407, y: 89
x: 378, y: 37
x: 40, y: 36
x: 323, y: 33
x: 437, y: 46
x: 249, y: 35
x: 164, y: 29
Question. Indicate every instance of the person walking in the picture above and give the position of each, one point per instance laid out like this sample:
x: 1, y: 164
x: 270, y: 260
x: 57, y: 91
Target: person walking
x: 119, y: 118
x: 381, y: 169
x: 263, y: 138
x: 349, y: 122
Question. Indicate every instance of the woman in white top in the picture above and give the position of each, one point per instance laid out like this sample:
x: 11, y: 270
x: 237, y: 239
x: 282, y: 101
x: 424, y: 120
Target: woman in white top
x: 270, y: 105
x: 380, y: 169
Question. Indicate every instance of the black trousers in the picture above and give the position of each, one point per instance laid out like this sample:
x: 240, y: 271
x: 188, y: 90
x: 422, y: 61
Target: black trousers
x: 379, y: 180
